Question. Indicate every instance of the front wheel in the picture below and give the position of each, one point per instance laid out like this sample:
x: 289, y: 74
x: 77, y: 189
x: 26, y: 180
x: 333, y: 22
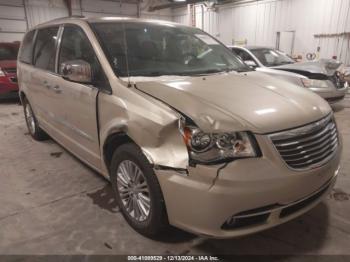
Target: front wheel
x: 32, y: 123
x: 137, y: 191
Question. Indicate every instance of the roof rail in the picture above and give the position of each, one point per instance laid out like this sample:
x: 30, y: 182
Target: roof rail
x: 76, y: 16
x: 67, y: 17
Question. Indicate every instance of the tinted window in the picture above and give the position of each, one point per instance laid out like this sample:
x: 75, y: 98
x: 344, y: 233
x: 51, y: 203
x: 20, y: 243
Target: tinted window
x: 271, y: 57
x: 76, y: 46
x: 45, y: 48
x: 163, y: 49
x: 243, y: 54
x: 8, y: 52
x: 27, y: 48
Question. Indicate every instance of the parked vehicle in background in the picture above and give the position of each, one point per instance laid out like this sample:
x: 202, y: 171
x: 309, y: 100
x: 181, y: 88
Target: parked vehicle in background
x: 8, y: 70
x: 319, y: 76
x: 346, y: 74
x: 187, y: 134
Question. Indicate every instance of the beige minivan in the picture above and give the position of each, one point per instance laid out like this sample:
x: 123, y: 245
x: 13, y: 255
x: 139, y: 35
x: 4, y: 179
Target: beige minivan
x: 187, y: 134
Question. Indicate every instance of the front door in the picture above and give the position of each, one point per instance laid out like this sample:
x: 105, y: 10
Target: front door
x: 77, y: 101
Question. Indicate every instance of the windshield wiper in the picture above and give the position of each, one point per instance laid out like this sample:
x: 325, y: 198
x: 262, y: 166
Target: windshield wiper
x: 286, y: 62
x: 245, y: 70
x: 188, y: 73
x: 153, y: 73
x: 210, y: 71
x: 280, y: 63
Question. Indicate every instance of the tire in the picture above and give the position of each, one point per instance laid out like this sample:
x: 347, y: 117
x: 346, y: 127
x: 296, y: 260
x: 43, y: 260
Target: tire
x: 32, y: 123
x: 130, y: 157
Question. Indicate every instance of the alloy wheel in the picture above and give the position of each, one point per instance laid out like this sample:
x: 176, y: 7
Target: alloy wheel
x: 30, y: 118
x: 133, y: 190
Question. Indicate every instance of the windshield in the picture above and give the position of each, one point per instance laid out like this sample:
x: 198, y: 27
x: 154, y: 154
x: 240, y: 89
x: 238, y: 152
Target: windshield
x: 8, y: 53
x: 155, y: 49
x: 270, y: 57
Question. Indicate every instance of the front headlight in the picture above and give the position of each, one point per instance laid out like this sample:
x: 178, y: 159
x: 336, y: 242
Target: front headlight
x: 213, y: 148
x: 314, y: 83
x: 2, y: 73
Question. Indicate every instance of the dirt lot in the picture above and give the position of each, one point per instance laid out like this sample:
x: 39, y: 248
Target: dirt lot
x: 51, y: 203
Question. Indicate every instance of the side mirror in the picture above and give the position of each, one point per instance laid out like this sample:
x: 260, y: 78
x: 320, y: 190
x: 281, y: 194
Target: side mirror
x: 251, y: 63
x: 76, y: 71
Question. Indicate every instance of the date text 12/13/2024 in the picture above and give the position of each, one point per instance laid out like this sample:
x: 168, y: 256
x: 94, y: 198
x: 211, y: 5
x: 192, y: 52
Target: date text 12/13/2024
x: 173, y: 258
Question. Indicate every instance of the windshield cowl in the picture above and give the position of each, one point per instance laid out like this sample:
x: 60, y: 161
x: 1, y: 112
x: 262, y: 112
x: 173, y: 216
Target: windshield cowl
x: 174, y: 77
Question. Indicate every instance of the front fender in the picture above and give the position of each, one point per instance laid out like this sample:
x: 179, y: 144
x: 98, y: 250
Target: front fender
x: 151, y: 124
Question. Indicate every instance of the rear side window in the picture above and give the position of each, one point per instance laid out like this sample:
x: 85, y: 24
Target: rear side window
x: 27, y: 48
x: 8, y: 52
x: 45, y: 48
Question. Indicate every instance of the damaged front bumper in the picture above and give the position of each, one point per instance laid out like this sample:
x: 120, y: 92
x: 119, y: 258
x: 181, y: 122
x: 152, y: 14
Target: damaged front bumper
x: 243, y: 196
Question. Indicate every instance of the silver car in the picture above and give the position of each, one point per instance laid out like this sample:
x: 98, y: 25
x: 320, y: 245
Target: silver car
x: 319, y: 76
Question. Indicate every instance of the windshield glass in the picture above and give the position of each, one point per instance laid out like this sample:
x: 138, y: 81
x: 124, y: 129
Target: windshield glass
x: 155, y: 49
x: 271, y: 57
x: 8, y: 53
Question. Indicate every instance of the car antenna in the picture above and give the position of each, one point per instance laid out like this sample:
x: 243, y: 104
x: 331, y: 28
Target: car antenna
x: 126, y: 54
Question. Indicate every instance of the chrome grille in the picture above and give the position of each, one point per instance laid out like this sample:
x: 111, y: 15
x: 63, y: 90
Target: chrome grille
x: 309, y: 146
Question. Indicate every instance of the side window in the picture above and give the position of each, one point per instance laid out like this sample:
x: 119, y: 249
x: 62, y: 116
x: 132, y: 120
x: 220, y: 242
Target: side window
x: 45, y: 48
x: 243, y: 54
x: 27, y: 48
x: 269, y: 58
x: 76, y: 46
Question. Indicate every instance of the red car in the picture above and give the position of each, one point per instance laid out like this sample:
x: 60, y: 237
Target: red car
x: 8, y: 69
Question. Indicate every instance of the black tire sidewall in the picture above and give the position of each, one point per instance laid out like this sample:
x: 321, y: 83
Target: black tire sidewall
x: 38, y: 134
x: 25, y: 105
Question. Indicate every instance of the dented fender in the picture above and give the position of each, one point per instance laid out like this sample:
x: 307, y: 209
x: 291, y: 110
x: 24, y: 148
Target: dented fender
x: 151, y: 124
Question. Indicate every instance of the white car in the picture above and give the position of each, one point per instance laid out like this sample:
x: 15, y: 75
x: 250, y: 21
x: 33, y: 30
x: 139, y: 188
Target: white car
x: 319, y: 76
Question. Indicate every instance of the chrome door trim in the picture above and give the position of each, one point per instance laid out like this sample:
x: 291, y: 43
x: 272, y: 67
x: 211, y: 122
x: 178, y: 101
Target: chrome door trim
x: 58, y: 47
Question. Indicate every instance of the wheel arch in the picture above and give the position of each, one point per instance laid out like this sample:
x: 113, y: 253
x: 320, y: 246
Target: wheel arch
x: 115, y: 140
x: 163, y: 148
x: 111, y: 143
x: 22, y: 96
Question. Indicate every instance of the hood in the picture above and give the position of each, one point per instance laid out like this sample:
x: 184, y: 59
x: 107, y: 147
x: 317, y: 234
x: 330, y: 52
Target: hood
x: 293, y: 78
x: 237, y: 101
x: 276, y: 72
x: 8, y: 63
x: 326, y: 67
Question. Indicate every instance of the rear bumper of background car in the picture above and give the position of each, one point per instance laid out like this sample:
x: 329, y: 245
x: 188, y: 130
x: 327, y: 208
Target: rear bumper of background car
x: 244, y: 196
